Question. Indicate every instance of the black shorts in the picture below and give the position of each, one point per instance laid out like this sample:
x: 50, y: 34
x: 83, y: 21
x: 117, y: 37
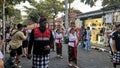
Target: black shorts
x: 24, y: 44
x: 18, y: 51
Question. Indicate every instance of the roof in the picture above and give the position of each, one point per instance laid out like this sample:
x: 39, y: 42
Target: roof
x: 99, y: 13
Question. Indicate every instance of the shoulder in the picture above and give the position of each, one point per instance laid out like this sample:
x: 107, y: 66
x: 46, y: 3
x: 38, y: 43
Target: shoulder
x: 20, y: 33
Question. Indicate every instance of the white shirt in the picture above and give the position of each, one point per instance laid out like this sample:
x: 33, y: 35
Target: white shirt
x: 88, y: 35
x: 1, y: 55
x: 111, y: 38
x: 58, y: 36
x: 72, y: 38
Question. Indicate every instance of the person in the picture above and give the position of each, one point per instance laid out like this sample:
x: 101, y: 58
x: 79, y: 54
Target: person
x: 16, y: 41
x: 7, y: 37
x: 53, y: 44
x: 72, y: 48
x: 115, y: 45
x: 58, y: 41
x: 25, y: 42
x: 88, y: 38
x: 1, y: 55
x: 42, y: 38
x: 10, y: 62
x: 83, y: 36
x: 109, y: 36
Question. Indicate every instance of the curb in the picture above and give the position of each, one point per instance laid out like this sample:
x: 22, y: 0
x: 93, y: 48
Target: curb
x: 101, y: 49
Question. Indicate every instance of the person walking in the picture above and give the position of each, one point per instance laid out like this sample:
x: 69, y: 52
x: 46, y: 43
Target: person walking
x: 58, y: 41
x: 88, y: 38
x: 16, y: 41
x: 72, y: 48
x: 40, y: 39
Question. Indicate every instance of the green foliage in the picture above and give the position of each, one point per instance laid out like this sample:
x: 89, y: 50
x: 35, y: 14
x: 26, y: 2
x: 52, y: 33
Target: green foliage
x: 104, y: 2
x: 14, y: 2
x: 17, y: 15
x: 9, y: 10
x: 89, y: 2
x: 47, y: 8
x: 72, y: 10
x: 110, y: 2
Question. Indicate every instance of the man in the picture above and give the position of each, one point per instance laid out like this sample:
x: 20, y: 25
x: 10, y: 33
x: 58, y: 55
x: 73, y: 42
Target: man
x: 25, y: 42
x: 16, y: 41
x: 88, y: 38
x: 40, y: 39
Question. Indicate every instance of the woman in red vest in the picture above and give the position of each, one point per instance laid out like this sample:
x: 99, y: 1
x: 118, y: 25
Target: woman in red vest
x: 40, y: 39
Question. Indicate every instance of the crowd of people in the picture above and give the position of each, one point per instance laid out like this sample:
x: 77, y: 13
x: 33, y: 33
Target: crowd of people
x: 37, y: 43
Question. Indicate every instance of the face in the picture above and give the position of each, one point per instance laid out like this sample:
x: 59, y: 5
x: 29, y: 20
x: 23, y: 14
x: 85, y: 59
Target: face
x: 43, y: 24
x: 72, y: 31
x: 58, y: 31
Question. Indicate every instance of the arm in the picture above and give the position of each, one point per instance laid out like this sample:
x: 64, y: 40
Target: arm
x: 51, y: 39
x: 113, y: 46
x: 22, y: 36
x: 30, y: 42
x: 2, y: 43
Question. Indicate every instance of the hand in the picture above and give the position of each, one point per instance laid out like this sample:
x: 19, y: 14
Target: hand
x: 29, y: 56
x: 47, y: 47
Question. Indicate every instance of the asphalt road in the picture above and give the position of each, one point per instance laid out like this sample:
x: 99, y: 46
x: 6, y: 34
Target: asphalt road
x: 86, y: 59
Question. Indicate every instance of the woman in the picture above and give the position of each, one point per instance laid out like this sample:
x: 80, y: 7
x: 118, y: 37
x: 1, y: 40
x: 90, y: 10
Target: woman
x: 72, y: 48
x: 58, y: 41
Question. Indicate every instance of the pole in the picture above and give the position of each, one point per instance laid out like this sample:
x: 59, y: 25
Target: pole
x: 54, y: 14
x: 66, y: 15
x: 4, y: 26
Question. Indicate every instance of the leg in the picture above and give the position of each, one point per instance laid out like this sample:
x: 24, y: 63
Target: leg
x: 19, y: 52
x: 114, y: 65
x: 1, y: 63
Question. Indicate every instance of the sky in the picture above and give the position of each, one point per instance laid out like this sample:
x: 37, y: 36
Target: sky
x: 76, y: 4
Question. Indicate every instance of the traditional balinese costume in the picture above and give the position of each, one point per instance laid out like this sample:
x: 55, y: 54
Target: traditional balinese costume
x: 58, y: 41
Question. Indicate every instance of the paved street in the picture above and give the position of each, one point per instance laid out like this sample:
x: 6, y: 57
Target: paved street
x: 91, y: 59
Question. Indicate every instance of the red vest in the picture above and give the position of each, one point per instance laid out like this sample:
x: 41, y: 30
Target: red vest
x: 39, y: 34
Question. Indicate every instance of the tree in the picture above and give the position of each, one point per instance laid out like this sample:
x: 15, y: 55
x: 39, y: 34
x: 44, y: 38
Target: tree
x: 104, y: 2
x: 48, y: 8
x: 17, y: 15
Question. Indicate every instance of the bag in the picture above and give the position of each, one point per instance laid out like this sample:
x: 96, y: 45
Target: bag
x: 13, y: 44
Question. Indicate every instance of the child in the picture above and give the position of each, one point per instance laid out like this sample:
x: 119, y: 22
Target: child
x: 10, y: 62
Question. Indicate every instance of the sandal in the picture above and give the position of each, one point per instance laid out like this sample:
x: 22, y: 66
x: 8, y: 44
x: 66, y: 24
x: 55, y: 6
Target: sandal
x: 70, y: 64
x: 76, y: 66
